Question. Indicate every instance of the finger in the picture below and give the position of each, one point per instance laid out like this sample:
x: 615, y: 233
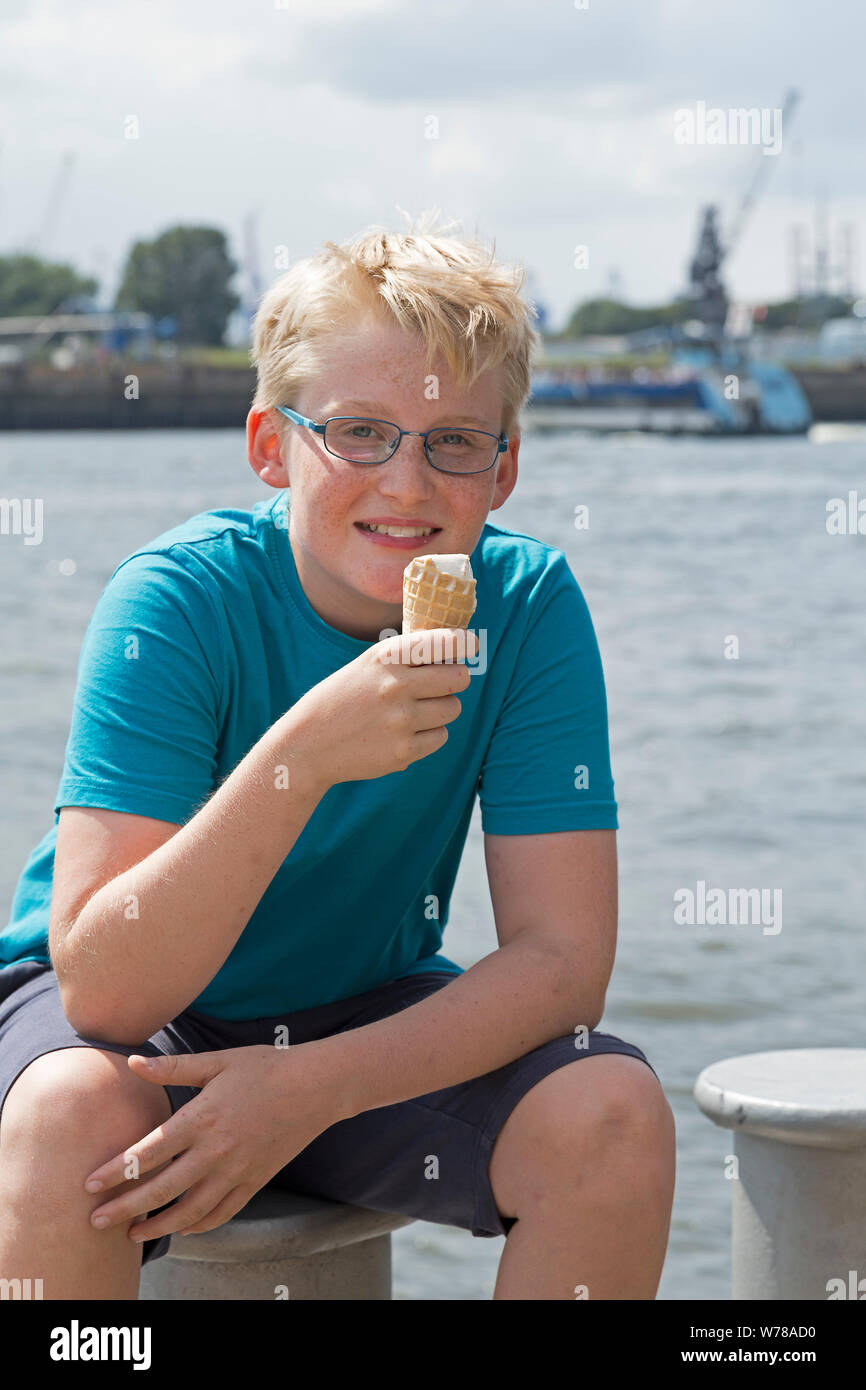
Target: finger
x: 464, y: 642
x: 159, y: 1146
x: 431, y: 713
x: 427, y: 742
x: 434, y: 682
x: 197, y: 1204
x: 178, y: 1069
x: 228, y: 1207
x: 176, y: 1178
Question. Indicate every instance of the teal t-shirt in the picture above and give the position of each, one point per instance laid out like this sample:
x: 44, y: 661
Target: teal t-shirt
x: 202, y: 639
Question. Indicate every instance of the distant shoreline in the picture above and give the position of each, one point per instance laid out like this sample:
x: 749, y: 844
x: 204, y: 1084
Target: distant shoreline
x: 145, y: 395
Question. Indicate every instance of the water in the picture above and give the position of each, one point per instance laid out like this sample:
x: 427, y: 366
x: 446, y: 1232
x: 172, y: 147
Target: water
x: 744, y: 773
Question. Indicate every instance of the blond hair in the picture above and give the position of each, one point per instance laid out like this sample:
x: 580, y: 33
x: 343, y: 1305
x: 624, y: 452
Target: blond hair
x: 449, y: 290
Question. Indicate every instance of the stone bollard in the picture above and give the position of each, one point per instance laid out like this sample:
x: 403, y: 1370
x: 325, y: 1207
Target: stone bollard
x: 281, y: 1245
x: 799, y: 1201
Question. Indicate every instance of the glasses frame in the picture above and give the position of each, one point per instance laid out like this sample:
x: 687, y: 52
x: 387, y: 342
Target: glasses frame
x: 502, y: 440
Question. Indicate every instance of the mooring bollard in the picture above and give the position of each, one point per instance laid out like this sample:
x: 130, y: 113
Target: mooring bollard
x: 282, y: 1245
x: 799, y: 1196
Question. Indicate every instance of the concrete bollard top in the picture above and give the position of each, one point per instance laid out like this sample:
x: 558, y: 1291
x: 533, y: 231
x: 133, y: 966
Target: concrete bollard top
x: 277, y: 1223
x: 813, y: 1096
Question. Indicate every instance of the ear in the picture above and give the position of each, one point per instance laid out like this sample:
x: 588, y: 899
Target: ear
x: 506, y: 473
x: 264, y: 450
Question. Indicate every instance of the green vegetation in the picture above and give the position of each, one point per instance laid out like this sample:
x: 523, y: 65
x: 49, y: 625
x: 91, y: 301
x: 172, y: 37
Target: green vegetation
x: 806, y: 313
x: 184, y: 275
x: 621, y: 361
x: 29, y: 285
x: 610, y: 317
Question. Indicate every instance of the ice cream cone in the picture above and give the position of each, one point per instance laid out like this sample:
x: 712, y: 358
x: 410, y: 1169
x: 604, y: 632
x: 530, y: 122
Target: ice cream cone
x: 438, y: 591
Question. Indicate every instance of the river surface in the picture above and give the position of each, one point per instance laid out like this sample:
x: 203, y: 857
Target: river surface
x: 738, y: 773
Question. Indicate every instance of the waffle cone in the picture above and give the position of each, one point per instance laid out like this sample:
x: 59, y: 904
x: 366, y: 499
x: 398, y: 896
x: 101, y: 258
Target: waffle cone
x: 432, y: 599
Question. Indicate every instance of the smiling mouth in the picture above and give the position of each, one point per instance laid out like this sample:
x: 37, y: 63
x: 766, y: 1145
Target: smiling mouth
x: 402, y: 532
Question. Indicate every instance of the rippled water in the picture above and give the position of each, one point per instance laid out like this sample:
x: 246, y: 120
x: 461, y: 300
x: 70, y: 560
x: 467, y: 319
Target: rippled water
x: 742, y: 773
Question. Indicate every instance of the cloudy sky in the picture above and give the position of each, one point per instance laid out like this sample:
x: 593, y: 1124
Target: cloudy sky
x: 554, y: 128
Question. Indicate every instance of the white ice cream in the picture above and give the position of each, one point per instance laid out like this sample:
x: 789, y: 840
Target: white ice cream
x: 457, y: 565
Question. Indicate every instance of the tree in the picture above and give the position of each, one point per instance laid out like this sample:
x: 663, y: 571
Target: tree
x: 184, y: 274
x: 29, y: 285
x: 810, y: 312
x: 609, y: 316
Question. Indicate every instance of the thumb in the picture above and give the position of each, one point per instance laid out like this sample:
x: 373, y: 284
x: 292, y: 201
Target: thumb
x: 173, y: 1069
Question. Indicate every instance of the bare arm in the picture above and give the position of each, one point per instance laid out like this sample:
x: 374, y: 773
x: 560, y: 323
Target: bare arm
x: 148, y: 941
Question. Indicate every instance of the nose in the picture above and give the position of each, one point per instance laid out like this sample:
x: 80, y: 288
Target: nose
x: 407, y: 472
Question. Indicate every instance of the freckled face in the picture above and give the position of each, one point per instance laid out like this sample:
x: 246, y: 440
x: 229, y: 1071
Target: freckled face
x: 354, y: 579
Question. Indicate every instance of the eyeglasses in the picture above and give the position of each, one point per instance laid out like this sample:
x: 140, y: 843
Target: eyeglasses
x: 448, y: 449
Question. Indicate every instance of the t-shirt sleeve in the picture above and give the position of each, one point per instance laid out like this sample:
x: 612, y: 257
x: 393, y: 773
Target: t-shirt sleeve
x: 547, y: 765
x: 146, y: 715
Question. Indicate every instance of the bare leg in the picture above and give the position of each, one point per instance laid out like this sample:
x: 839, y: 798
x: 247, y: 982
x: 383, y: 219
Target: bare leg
x: 67, y: 1112
x: 587, y: 1162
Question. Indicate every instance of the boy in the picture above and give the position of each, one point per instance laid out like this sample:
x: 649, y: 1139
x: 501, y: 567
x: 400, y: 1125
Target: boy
x: 264, y: 801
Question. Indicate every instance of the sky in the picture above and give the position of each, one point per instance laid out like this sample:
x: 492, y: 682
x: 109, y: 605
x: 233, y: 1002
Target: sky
x: 541, y: 127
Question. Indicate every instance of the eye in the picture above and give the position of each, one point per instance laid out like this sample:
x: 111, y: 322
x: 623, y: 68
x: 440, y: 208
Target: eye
x: 366, y: 429
x: 358, y: 431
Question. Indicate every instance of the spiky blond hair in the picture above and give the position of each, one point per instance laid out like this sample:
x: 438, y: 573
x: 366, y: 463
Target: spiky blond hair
x: 450, y: 290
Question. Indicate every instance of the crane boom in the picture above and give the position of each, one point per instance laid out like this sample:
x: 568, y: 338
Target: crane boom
x: 759, y: 178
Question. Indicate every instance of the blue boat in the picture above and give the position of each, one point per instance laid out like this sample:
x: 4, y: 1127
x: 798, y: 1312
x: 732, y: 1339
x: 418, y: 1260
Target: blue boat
x: 701, y: 392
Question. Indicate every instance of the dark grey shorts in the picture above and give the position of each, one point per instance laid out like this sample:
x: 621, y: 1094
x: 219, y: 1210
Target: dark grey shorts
x: 376, y: 1159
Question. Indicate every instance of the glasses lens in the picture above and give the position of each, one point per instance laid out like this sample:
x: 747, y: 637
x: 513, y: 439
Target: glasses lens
x: 362, y: 441
x: 463, y: 451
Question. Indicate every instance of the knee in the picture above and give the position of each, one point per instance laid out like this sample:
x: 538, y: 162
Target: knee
x: 634, y: 1123
x: 601, y: 1123
x: 77, y: 1105
x: 607, y: 1109
x: 631, y: 1110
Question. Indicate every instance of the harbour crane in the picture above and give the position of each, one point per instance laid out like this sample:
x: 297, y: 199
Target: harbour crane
x: 705, y: 269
